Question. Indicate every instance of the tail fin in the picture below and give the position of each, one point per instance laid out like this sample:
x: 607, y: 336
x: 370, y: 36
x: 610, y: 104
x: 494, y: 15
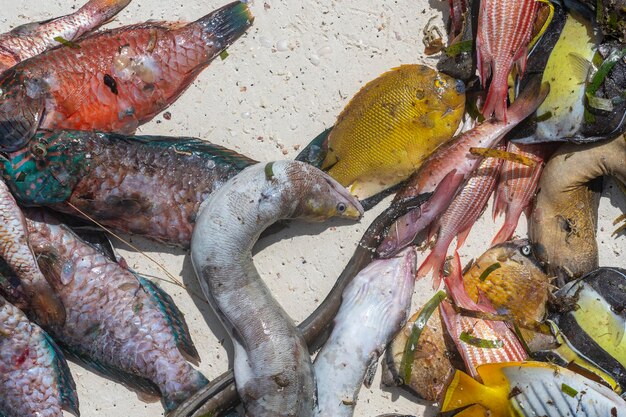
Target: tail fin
x: 528, y: 101
x: 225, y: 25
x: 464, y: 391
x: 435, y: 261
x: 456, y: 288
x: 496, y: 100
x: 508, y: 228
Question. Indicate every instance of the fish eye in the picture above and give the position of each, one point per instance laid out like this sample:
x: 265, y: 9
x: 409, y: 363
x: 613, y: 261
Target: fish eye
x: 526, y: 250
x: 460, y: 86
x: 341, y: 207
x: 439, y: 83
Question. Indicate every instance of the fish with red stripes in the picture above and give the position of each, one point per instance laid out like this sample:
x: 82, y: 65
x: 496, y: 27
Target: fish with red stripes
x: 517, y: 187
x: 504, y: 31
x: 30, y: 39
x: 479, y: 341
x: 113, y: 81
x: 458, y: 219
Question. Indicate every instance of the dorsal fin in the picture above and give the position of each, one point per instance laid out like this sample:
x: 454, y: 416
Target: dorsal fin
x: 174, y: 317
x: 67, y: 387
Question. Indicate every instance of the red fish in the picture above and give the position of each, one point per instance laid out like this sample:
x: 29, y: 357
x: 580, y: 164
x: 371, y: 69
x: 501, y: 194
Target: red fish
x: 31, y: 39
x: 454, y: 155
x: 478, y: 340
x: 504, y: 31
x: 113, y: 80
x: 457, y: 10
x: 458, y: 219
x: 517, y: 187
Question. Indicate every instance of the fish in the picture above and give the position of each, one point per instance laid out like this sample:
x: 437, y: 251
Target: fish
x: 530, y: 389
x: 374, y: 307
x: 147, y: 185
x: 458, y: 8
x: 562, y: 226
x: 459, y: 217
x: 418, y: 358
x: 36, y: 380
x: 391, y: 126
x: 478, y: 340
x: 15, y: 249
x: 114, y: 316
x: 272, y: 367
x: 504, y: 31
x: 512, y: 279
x: 454, y: 156
x: 517, y: 187
x: 31, y: 39
x: 593, y: 320
x: 113, y: 80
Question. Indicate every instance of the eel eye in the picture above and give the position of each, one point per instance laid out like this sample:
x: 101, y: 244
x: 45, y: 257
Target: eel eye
x: 341, y: 207
x: 526, y: 250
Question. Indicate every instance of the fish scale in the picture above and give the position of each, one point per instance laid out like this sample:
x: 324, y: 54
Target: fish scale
x: 504, y: 31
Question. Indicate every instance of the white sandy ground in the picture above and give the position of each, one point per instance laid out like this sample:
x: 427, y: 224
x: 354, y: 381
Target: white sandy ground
x: 283, y: 83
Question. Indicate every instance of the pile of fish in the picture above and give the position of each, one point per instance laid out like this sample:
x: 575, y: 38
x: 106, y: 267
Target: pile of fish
x: 532, y: 327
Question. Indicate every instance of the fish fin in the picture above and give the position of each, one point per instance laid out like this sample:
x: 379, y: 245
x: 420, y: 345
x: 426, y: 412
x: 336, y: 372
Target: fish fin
x: 173, y: 316
x: 483, y: 65
x: 462, y: 237
x: 74, y: 100
x: 580, y: 65
x: 456, y: 288
x: 315, y: 152
x: 435, y: 262
x: 370, y: 371
x: 219, y: 154
x: 475, y: 410
x: 496, y: 100
x: 499, y: 202
x: 19, y: 116
x: 133, y: 382
x: 507, y: 229
x: 225, y: 25
x: 67, y: 386
x: 528, y: 101
x: 463, y: 391
x: 46, y: 305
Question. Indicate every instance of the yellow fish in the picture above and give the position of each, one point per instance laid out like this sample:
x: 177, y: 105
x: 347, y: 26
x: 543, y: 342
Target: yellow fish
x: 391, y: 125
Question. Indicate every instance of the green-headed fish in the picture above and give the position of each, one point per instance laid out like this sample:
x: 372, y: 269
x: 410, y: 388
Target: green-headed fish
x: 525, y: 389
x: 393, y: 124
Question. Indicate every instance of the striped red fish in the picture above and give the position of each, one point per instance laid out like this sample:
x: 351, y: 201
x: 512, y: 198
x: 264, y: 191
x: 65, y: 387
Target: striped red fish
x: 454, y: 156
x: 478, y: 340
x: 113, y: 80
x: 31, y: 39
x: 504, y: 31
x: 459, y: 217
x: 517, y: 187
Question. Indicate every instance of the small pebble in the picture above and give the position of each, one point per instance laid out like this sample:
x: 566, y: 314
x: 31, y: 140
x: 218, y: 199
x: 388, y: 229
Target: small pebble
x: 282, y: 45
x: 324, y: 50
x: 167, y: 115
x: 315, y: 60
x: 266, y: 42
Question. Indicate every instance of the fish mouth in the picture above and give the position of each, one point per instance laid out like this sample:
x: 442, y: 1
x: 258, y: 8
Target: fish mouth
x: 353, y: 208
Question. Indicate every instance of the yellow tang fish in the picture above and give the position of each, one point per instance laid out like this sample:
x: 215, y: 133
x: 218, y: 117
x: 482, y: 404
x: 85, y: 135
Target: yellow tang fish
x: 524, y: 389
x: 393, y: 124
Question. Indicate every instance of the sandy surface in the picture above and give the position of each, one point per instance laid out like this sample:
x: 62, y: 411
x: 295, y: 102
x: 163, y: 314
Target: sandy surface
x: 283, y: 83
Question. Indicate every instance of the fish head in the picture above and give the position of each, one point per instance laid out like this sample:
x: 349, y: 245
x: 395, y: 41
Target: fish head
x: 449, y: 91
x: 22, y: 103
x: 513, y: 256
x: 319, y: 197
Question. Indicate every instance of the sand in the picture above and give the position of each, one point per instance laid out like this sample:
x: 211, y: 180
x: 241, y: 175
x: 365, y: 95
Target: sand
x: 282, y: 84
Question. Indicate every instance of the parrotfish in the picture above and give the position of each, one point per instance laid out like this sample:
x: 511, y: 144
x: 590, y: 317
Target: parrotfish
x: 530, y: 389
x: 454, y: 161
x: 391, y: 126
x: 148, y: 185
x: 517, y: 187
x: 504, y: 31
x: 34, y: 377
x: 118, y: 324
x: 113, y: 80
x: 458, y: 219
x: 31, y: 39
x: 374, y: 306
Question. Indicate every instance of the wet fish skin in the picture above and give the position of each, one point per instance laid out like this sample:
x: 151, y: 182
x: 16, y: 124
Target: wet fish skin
x: 459, y: 217
x: 35, y: 379
x: 15, y: 249
x: 517, y: 187
x: 504, y: 31
x: 117, y: 79
x: 31, y: 39
x: 116, y: 322
x: 373, y: 309
x: 148, y: 185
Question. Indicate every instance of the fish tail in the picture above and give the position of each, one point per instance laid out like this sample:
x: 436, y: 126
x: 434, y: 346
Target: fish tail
x: 465, y: 391
x: 500, y: 204
x: 508, y: 228
x: 496, y: 101
x: 454, y: 285
x: 529, y: 99
x: 225, y: 25
x: 192, y: 383
x: 434, y: 261
x: 105, y: 9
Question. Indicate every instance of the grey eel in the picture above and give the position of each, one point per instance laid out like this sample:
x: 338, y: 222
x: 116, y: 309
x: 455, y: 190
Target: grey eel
x: 273, y: 370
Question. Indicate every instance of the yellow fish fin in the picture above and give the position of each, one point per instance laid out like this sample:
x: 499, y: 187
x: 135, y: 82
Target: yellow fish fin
x: 330, y: 160
x: 580, y: 65
x: 474, y: 411
x: 465, y: 391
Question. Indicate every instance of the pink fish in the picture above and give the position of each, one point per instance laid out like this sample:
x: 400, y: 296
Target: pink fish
x: 517, y: 187
x: 478, y: 340
x: 458, y: 219
x: 454, y: 155
x: 504, y: 31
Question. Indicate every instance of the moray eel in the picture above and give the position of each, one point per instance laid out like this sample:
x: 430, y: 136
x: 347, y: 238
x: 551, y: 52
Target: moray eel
x: 374, y: 307
x: 562, y: 226
x: 272, y: 366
